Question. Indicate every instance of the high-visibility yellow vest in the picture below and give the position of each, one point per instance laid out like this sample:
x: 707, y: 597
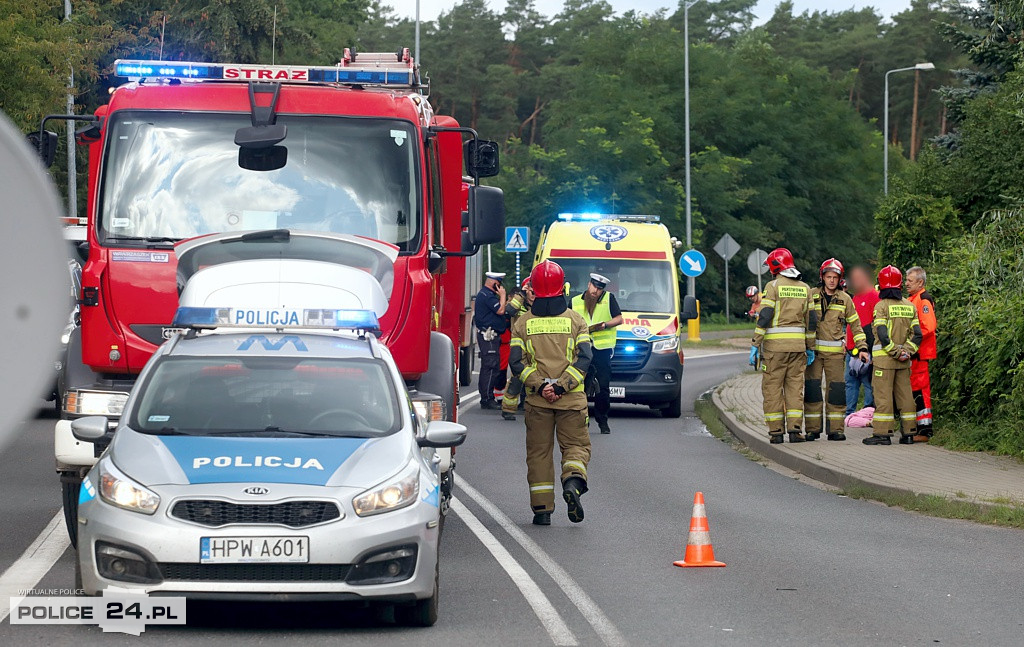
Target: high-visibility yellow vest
x: 603, y: 339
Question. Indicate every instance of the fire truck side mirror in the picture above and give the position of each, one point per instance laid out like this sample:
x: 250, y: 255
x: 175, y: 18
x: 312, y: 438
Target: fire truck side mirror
x: 481, y: 157
x: 45, y: 143
x: 486, y: 215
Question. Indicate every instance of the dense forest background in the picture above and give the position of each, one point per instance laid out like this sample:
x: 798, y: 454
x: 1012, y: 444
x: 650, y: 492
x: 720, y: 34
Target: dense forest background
x: 588, y: 105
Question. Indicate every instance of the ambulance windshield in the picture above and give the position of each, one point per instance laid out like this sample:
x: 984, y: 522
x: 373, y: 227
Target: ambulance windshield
x: 639, y: 286
x: 267, y: 396
x: 173, y: 175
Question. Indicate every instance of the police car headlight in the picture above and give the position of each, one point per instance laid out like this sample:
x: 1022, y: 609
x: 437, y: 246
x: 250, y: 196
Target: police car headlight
x: 665, y: 345
x: 95, y: 403
x: 117, y: 489
x: 396, y: 494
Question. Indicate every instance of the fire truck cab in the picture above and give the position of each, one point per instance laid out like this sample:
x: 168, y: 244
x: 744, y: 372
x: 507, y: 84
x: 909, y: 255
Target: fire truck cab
x: 258, y: 155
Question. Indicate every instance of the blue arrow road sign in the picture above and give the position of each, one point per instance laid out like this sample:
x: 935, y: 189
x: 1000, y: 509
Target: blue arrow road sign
x: 692, y: 263
x: 517, y: 239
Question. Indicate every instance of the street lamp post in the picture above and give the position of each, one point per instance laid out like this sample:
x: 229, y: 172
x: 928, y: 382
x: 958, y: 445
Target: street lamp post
x: 885, y: 172
x: 690, y: 281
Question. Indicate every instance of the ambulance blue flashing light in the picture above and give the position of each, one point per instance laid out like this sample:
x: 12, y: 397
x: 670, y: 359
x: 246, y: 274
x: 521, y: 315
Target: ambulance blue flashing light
x: 580, y: 217
x: 592, y: 217
x: 330, y: 318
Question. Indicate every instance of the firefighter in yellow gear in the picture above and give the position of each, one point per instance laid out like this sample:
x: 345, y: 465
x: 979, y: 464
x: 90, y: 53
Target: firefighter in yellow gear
x: 783, y: 345
x: 897, y: 333
x: 551, y: 352
x: 518, y: 305
x: 835, y: 310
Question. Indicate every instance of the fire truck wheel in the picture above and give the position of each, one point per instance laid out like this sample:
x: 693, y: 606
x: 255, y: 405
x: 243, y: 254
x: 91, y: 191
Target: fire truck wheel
x: 70, y: 484
x: 440, y: 376
x: 466, y: 357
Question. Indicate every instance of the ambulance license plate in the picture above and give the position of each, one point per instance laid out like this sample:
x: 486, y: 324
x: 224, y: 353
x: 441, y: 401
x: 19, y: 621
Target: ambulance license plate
x: 237, y: 550
x: 617, y: 391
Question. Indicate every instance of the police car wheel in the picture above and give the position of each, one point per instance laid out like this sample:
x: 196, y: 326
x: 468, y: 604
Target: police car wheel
x: 69, y: 494
x: 422, y: 613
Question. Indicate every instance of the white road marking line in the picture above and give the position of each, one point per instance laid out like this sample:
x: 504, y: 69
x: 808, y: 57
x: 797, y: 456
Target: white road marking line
x: 690, y: 358
x: 34, y: 563
x: 541, y: 605
x: 469, y: 399
x: 598, y: 620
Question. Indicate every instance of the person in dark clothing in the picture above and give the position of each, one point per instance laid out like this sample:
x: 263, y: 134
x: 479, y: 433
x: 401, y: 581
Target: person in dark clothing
x: 489, y: 319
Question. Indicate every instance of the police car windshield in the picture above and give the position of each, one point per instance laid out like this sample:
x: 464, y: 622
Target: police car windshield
x: 639, y: 286
x: 174, y: 175
x: 267, y: 396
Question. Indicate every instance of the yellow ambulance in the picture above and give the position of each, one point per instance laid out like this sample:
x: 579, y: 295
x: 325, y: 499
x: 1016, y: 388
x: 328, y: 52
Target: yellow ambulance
x: 636, y: 254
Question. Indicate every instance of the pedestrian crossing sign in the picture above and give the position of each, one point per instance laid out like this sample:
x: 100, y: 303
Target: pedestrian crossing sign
x: 517, y: 239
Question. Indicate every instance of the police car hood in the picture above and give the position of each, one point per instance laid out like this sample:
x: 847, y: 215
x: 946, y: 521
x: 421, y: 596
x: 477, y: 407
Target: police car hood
x: 193, y: 460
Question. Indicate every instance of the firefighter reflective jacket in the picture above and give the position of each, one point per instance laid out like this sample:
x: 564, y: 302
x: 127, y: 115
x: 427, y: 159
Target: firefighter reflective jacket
x: 896, y: 328
x: 787, y: 321
x: 925, y: 305
x: 834, y: 313
x: 552, y: 349
x: 603, y: 339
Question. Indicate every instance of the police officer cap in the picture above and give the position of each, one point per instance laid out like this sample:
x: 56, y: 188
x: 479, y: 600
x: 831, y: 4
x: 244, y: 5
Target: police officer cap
x: 497, y: 276
x: 599, y: 281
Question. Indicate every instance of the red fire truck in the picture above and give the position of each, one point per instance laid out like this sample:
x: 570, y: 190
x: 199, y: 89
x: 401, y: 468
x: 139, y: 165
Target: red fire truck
x: 184, y: 150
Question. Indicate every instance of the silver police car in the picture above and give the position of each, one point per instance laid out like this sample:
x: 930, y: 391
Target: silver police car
x: 277, y: 462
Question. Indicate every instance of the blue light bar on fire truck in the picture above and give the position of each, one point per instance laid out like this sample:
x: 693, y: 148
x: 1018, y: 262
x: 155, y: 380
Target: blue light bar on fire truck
x: 371, y: 69
x: 277, y: 318
x: 591, y: 217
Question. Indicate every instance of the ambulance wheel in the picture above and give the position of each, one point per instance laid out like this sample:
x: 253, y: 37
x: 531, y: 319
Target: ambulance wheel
x: 674, y: 408
x: 70, y: 485
x: 422, y: 613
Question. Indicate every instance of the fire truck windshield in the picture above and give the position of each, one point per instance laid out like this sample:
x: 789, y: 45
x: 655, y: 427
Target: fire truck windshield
x: 173, y: 175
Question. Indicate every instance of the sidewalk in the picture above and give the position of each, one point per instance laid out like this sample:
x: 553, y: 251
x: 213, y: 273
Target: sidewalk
x: 918, y: 469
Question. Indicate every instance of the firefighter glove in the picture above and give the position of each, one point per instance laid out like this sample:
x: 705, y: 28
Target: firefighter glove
x: 753, y: 356
x: 810, y: 357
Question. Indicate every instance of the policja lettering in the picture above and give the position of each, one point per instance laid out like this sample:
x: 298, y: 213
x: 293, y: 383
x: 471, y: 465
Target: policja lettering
x: 256, y: 461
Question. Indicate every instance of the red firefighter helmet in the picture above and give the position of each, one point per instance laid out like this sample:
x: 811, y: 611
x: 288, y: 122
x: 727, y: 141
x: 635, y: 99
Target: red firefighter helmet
x: 890, y: 277
x: 831, y: 265
x: 548, y: 280
x: 751, y: 291
x: 526, y: 282
x: 780, y: 259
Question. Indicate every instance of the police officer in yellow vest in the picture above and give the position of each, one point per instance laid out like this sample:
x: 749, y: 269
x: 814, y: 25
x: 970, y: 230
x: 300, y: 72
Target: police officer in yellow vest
x: 550, y: 354
x: 600, y: 310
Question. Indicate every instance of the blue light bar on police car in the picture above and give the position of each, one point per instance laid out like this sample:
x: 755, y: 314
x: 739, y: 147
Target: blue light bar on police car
x: 138, y: 70
x: 278, y: 318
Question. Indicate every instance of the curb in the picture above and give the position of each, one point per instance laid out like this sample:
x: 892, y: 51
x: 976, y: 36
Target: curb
x: 827, y: 475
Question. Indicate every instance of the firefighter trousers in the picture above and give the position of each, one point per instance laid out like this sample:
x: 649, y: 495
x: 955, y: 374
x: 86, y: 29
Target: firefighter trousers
x: 832, y: 366
x: 782, y: 387
x: 892, y: 393
x: 920, y: 384
x: 542, y: 426
x: 510, y: 401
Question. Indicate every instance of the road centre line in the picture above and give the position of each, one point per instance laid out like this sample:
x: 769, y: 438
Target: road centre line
x: 34, y: 563
x: 547, y: 614
x: 602, y: 625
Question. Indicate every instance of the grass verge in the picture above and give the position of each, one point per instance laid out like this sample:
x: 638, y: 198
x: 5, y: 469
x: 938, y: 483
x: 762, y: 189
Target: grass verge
x: 1001, y: 437
x: 1009, y: 516
x: 999, y: 512
x: 740, y: 325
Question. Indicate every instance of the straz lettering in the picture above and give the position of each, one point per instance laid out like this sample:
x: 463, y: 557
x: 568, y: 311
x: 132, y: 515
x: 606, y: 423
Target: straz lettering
x: 266, y: 74
x: 267, y: 317
x: 792, y: 292
x: 637, y: 322
x: 906, y: 312
x: 549, y: 325
x: 256, y: 461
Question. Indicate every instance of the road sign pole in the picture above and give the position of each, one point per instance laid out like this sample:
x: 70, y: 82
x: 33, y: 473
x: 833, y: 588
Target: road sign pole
x: 727, y: 292
x: 518, y: 282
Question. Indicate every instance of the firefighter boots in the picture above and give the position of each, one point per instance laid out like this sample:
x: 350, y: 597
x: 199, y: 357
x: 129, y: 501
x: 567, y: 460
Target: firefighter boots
x: 878, y: 440
x: 796, y: 437
x: 836, y: 436
x: 542, y: 519
x: 572, y: 490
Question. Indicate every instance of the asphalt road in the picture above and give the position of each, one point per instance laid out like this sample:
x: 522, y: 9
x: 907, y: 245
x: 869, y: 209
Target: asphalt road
x: 805, y: 566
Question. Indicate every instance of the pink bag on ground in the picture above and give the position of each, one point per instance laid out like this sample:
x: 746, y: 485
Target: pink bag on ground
x: 860, y: 418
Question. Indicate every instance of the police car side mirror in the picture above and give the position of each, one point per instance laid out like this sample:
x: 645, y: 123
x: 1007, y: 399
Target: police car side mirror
x: 689, y: 308
x: 441, y: 433
x: 89, y: 429
x: 486, y: 215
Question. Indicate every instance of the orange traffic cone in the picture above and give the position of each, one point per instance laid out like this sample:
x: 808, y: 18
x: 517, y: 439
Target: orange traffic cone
x: 698, y: 545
